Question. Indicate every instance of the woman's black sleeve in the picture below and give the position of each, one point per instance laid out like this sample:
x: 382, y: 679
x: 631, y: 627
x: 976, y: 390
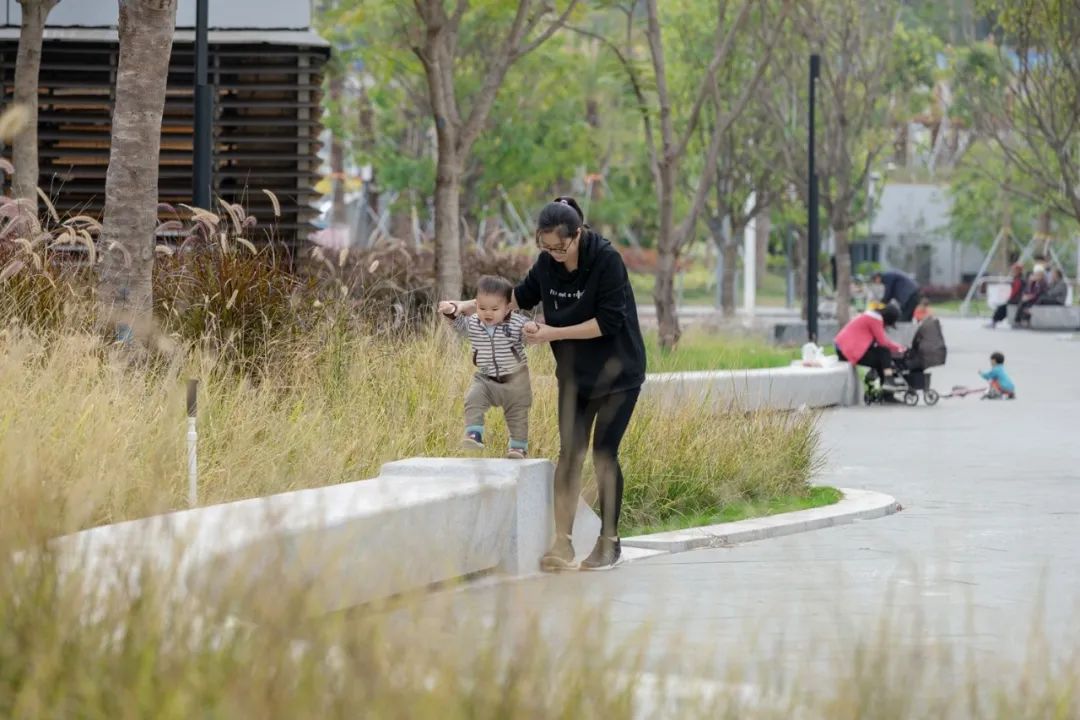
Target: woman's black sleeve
x: 611, y: 289
x: 527, y: 293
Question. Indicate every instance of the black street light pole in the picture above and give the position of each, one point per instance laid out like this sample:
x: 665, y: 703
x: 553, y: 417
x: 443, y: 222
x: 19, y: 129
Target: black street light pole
x: 812, y: 213
x: 204, y: 110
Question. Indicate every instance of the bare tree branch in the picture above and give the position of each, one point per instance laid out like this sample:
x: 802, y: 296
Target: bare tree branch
x: 551, y: 29
x: 723, y: 50
x: 635, y: 84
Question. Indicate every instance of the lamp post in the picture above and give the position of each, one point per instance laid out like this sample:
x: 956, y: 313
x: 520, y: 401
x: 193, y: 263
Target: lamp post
x: 204, y: 110
x: 814, y: 238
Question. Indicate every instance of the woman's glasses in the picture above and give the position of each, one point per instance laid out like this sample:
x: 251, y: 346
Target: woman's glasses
x: 562, y: 248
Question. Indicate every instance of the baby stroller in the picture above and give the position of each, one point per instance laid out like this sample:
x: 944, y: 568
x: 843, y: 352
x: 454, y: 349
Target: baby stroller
x: 912, y: 377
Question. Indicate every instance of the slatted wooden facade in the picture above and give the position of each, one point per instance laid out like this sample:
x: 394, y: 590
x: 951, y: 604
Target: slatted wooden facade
x: 266, y: 125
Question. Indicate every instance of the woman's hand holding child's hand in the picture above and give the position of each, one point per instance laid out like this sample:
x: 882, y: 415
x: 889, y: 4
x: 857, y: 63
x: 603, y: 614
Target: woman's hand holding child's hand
x: 448, y: 308
x: 536, y: 333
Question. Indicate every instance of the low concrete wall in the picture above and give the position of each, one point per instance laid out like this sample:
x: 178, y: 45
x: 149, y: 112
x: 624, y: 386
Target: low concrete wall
x: 785, y: 388
x: 1055, y: 317
x: 422, y: 521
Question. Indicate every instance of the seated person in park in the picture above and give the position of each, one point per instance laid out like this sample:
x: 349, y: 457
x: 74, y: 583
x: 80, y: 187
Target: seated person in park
x: 1035, y: 288
x: 1057, y: 291
x: 922, y: 311
x: 863, y: 341
x: 1001, y: 385
x: 902, y: 289
x: 502, y: 371
x: 1016, y: 293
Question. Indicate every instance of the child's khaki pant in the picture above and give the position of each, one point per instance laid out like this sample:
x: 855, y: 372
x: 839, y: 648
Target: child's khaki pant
x: 514, y: 396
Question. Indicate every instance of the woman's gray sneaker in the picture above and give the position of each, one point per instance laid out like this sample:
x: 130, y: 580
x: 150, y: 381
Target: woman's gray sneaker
x: 560, y: 556
x: 605, y: 554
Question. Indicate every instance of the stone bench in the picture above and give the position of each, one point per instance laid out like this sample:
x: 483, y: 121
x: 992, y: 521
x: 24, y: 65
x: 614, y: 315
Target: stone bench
x: 1054, y: 317
x: 785, y: 388
x: 421, y: 521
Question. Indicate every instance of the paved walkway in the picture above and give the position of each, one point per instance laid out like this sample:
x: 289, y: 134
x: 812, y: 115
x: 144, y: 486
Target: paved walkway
x: 986, y: 549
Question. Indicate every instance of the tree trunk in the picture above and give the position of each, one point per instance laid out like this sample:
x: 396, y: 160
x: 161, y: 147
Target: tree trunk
x: 1042, y: 232
x: 667, y: 316
x: 843, y: 276
x: 1000, y: 264
x: 338, y: 213
x: 131, y: 182
x: 798, y: 262
x: 447, y: 223
x: 27, y: 69
x: 762, y: 228
x: 338, y: 210
x: 400, y: 223
x: 730, y: 251
x: 716, y: 230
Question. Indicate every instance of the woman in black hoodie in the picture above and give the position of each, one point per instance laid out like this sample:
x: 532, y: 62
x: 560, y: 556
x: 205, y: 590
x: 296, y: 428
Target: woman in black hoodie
x: 590, y: 319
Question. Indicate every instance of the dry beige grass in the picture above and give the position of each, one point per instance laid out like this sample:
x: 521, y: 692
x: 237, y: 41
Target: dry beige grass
x: 89, y: 439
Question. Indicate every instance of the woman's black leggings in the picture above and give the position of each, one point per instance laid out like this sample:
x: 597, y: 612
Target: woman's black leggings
x: 577, y: 415
x: 875, y: 357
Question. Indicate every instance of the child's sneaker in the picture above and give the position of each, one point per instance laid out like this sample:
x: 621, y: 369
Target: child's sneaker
x: 516, y: 454
x: 473, y: 441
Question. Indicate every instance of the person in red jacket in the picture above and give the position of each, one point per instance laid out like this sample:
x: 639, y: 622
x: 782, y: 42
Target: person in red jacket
x: 1016, y: 293
x: 863, y: 341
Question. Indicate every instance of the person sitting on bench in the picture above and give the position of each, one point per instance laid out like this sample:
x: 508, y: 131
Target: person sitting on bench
x: 1035, y: 289
x: 1058, y: 291
x: 1016, y: 293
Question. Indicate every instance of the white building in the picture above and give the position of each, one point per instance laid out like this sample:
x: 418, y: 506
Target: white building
x: 911, y: 233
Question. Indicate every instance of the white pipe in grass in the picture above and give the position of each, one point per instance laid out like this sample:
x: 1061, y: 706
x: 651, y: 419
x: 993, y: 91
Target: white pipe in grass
x: 192, y: 443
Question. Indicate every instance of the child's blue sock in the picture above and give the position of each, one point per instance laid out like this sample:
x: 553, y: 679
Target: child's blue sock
x: 519, y: 444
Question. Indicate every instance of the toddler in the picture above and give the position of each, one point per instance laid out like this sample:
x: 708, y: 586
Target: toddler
x: 498, y: 352
x: 1001, y: 385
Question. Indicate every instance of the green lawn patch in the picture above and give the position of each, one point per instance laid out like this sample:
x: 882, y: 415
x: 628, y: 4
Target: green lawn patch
x: 698, y: 286
x: 817, y: 496
x: 710, y: 351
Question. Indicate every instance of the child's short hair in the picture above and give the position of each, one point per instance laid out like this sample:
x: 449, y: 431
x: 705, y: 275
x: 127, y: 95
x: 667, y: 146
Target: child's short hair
x: 997, y: 358
x: 495, y: 285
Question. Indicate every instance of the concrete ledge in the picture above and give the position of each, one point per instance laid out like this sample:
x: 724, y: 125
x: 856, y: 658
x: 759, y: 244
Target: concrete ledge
x: 855, y: 505
x: 1055, y: 317
x: 422, y: 521
x: 785, y: 388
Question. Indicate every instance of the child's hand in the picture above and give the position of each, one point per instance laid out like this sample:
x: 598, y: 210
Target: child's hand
x: 448, y: 308
x: 530, y: 327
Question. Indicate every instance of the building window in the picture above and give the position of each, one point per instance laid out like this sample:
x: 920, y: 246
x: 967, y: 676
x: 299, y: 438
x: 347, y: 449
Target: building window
x: 863, y: 253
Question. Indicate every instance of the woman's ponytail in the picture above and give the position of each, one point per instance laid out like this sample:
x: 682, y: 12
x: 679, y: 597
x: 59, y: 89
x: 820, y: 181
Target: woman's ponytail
x: 562, y: 215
